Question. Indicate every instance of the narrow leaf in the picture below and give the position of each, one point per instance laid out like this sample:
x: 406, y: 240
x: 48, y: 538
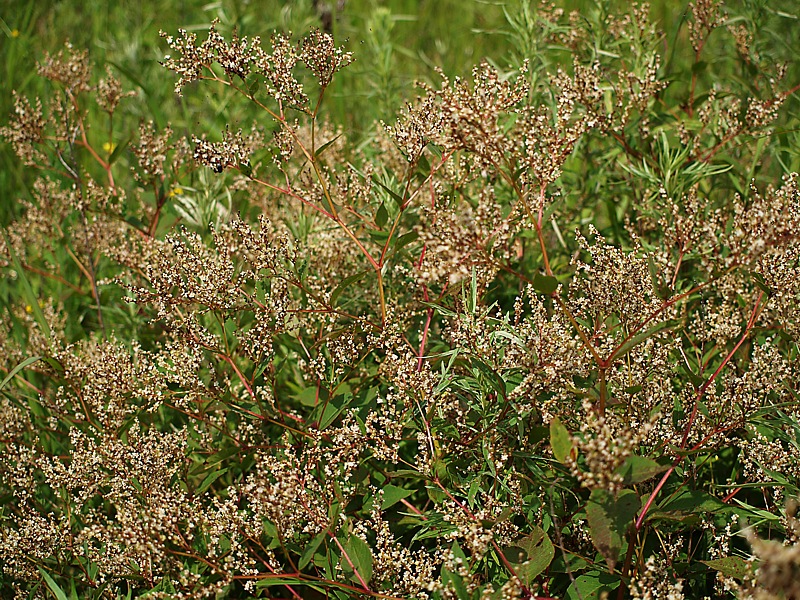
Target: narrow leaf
x: 120, y: 148
x: 423, y: 168
x: 592, y: 586
x: 57, y: 591
x: 311, y: 549
x: 642, y: 336
x: 758, y: 279
x: 361, y: 556
x: 325, y: 146
x: 346, y: 282
x: 392, y: 494
x: 405, y: 239
x: 28, y: 361
x: 381, y: 216
x: 333, y: 409
x: 397, y: 198
x: 210, y: 478
x: 731, y: 566
x: 454, y: 579
x: 223, y: 455
x: 30, y: 296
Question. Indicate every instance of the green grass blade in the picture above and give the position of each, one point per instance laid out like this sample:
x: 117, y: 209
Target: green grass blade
x: 18, y: 368
x: 57, y: 591
x: 27, y: 289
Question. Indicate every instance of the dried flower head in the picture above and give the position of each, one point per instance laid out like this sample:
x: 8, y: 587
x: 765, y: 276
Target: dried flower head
x: 705, y: 17
x: 232, y: 152
x: 319, y: 53
x: 26, y: 130
x: 109, y: 92
x: 69, y: 67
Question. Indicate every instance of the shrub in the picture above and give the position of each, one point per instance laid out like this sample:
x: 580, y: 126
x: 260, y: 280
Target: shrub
x: 537, y: 338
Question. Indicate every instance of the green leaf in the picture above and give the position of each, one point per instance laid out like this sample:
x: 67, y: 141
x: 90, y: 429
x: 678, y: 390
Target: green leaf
x: 457, y: 582
x: 544, y: 284
x: 758, y: 280
x: 269, y: 580
x: 662, y: 291
x: 210, y: 478
x: 164, y: 589
x: 57, y: 591
x: 155, y: 108
x: 437, y: 496
x: 561, y: 442
x: 609, y: 519
x: 584, y: 383
x: 392, y: 494
x: 308, y: 397
x: 223, y: 455
x: 361, y: 557
x: 118, y: 150
x: 642, y: 336
x: 333, y: 409
x: 381, y: 216
x: 378, y: 236
x: 457, y: 551
x: 394, y: 195
x: 135, y: 222
x: 230, y: 327
x: 731, y: 566
x: 753, y: 510
x: 325, y: 146
x: 423, y: 168
x: 334, y: 510
x: 405, y: 239
x: 311, y: 549
x: 252, y: 83
x: 695, y: 501
x: 591, y: 586
x: 30, y: 296
x: 261, y: 368
x: 533, y: 553
x: 346, y: 282
x: 636, y: 469
x: 28, y: 361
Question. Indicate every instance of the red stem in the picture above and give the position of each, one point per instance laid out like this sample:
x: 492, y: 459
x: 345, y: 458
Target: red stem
x: 690, y: 424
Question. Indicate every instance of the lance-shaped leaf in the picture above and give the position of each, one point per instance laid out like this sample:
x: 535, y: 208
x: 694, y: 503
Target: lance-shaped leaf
x: 561, y: 441
x: 609, y: 519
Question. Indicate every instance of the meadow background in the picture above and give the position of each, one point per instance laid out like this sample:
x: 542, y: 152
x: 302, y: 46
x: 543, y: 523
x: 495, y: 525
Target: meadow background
x: 396, y: 44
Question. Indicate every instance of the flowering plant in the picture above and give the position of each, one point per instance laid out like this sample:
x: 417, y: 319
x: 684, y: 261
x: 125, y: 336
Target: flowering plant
x: 536, y: 338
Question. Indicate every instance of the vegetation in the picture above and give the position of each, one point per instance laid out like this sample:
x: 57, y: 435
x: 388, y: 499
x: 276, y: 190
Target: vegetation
x: 277, y: 324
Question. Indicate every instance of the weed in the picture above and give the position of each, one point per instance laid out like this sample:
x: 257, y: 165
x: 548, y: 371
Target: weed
x: 536, y: 337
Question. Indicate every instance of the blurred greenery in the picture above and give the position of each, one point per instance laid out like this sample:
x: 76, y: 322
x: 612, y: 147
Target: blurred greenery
x: 395, y: 43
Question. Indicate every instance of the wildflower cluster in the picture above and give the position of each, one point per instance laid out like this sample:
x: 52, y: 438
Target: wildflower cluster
x: 243, y: 57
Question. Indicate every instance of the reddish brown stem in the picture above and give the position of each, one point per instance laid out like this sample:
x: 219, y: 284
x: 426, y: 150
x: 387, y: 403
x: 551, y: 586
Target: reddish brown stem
x: 687, y: 430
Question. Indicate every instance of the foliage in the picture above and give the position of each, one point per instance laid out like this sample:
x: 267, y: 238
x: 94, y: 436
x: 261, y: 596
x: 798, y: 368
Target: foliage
x: 534, y: 337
